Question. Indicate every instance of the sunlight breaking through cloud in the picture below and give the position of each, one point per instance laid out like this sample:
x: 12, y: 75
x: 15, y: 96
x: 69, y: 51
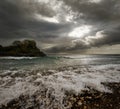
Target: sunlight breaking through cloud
x: 80, y: 32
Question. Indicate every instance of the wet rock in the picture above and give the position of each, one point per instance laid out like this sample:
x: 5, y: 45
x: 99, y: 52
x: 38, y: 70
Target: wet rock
x: 79, y: 103
x: 88, y: 100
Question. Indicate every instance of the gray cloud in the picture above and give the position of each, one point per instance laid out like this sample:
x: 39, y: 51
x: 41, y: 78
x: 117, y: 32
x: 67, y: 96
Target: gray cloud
x: 17, y: 20
x: 103, y: 16
x: 101, y: 38
x: 50, y: 22
x: 106, y: 10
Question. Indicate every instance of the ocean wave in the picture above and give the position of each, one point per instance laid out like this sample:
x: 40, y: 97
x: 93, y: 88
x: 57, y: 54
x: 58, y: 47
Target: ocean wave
x: 57, y: 82
x: 17, y: 58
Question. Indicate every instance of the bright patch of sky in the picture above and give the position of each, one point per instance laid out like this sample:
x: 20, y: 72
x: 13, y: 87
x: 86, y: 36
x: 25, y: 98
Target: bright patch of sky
x: 80, y: 32
x: 48, y: 19
x: 95, y: 1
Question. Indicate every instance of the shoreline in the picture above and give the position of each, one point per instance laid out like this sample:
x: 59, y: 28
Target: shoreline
x: 92, y: 99
x: 61, y: 87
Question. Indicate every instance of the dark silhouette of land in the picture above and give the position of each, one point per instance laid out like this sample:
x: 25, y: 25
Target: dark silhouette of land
x: 21, y: 48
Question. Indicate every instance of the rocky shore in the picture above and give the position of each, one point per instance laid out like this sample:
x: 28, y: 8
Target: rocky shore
x: 91, y: 99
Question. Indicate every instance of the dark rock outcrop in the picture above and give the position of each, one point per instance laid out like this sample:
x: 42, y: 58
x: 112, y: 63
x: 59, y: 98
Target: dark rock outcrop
x: 21, y: 48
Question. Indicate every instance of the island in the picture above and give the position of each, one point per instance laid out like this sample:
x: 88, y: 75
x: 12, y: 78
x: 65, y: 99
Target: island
x: 22, y: 48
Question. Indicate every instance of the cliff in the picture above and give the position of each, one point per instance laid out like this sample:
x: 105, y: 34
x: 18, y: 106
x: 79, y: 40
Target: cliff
x: 21, y: 48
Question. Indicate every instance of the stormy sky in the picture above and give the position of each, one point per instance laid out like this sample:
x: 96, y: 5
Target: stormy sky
x: 63, y: 26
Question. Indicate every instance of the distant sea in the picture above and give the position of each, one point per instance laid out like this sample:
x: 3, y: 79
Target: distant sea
x: 27, y: 75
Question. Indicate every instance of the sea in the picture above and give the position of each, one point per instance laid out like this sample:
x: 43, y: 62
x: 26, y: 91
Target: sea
x: 57, y: 75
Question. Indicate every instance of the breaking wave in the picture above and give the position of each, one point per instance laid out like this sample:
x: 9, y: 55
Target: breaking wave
x: 53, y: 83
x: 17, y: 58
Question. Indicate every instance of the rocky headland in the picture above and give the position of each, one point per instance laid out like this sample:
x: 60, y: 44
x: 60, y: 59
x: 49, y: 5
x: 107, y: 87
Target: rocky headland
x: 21, y: 48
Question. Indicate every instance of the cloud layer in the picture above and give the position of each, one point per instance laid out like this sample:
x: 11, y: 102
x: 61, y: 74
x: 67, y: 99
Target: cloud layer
x: 61, y: 26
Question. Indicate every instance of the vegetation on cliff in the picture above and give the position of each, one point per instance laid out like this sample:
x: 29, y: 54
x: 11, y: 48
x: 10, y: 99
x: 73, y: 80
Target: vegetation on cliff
x: 21, y: 48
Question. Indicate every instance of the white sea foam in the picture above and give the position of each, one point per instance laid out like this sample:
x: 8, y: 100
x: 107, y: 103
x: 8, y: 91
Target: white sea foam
x: 70, y: 79
x: 17, y: 58
x: 73, y: 82
x: 14, y: 91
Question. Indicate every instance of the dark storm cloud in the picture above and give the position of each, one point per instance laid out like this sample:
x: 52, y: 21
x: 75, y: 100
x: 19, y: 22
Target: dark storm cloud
x: 9, y: 16
x: 16, y: 19
x: 101, y: 38
x: 50, y: 22
x: 103, y: 16
x: 106, y: 10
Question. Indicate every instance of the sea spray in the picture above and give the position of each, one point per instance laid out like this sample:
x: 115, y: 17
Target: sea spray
x: 49, y: 87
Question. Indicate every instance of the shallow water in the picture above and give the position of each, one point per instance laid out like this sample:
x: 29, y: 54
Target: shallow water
x: 57, y: 75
